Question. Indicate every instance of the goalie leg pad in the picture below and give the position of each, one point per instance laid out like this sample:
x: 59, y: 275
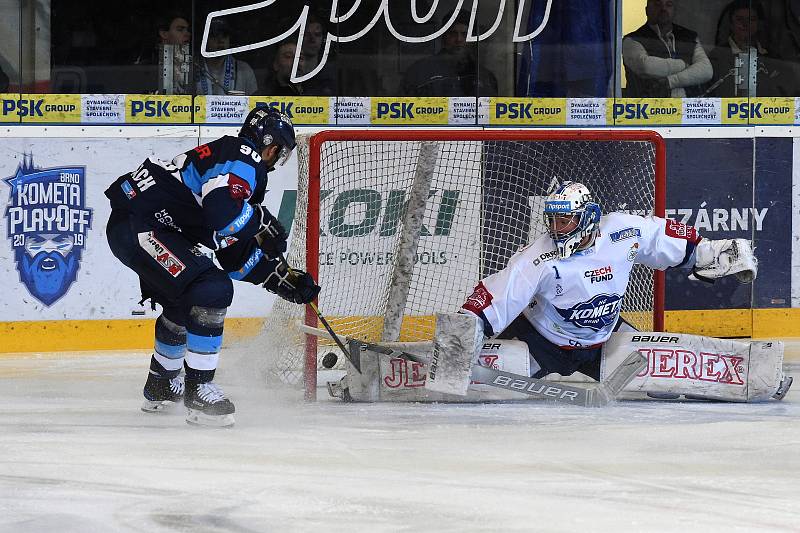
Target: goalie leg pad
x: 402, y: 380
x: 700, y: 367
x: 726, y: 257
x: 458, y: 339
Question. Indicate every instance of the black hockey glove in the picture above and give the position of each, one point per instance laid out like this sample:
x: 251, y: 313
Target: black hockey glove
x: 271, y: 236
x: 293, y: 286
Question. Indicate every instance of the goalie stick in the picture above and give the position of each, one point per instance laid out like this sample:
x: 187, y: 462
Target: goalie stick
x: 597, y: 396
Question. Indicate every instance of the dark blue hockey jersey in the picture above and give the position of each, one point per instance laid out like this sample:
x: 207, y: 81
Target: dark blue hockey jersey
x: 210, y: 194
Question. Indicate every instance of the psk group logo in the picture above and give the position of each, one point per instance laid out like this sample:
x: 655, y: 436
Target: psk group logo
x: 595, y: 314
x: 47, y: 221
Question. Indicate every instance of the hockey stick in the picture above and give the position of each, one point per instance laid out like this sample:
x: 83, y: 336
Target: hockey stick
x: 356, y: 363
x: 353, y: 360
x: 597, y: 396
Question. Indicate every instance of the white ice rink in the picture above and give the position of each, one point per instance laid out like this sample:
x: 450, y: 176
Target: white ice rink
x: 78, y: 456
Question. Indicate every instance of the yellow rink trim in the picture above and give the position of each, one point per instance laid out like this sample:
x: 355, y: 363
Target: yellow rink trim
x: 81, y: 335
x: 755, y: 323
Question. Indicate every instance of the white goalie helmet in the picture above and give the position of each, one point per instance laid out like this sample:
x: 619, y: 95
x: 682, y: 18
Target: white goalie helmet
x: 570, y: 215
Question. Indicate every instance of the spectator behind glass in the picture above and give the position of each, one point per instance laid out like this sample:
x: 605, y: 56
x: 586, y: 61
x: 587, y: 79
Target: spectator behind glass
x: 4, y: 81
x: 172, y: 28
x: 223, y: 74
x: 663, y: 59
x: 454, y: 71
x: 277, y: 82
x: 744, y: 20
x: 323, y: 83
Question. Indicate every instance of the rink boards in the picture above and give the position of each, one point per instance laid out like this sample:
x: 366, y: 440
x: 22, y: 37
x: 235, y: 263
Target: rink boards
x: 729, y: 182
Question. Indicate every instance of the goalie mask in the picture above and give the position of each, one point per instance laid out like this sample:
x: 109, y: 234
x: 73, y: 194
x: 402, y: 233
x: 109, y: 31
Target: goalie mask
x: 570, y: 215
x: 264, y: 126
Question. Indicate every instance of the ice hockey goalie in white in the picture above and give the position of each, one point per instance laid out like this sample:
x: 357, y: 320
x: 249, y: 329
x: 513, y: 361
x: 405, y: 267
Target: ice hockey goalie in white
x: 562, y: 294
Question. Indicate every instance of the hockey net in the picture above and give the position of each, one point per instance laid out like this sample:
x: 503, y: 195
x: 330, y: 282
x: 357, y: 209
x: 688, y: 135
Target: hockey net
x: 399, y: 225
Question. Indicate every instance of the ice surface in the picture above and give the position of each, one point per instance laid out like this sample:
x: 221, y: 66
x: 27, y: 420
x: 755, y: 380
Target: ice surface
x: 77, y: 455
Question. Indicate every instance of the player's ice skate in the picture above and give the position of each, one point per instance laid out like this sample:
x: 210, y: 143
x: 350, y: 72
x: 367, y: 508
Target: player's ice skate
x: 783, y: 388
x: 207, y: 405
x: 161, y: 394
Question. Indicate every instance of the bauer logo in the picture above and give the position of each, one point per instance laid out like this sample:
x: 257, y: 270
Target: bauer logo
x: 596, y: 314
x: 47, y: 222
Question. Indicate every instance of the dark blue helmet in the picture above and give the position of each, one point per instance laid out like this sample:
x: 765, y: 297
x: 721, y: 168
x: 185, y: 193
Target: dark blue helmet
x: 265, y: 126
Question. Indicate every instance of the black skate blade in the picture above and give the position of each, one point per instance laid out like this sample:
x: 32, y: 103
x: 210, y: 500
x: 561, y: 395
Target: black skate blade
x: 198, y: 418
x: 156, y: 406
x: 784, y: 387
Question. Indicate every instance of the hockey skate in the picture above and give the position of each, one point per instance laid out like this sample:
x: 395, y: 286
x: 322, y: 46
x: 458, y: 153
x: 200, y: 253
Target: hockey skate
x: 207, y: 405
x: 161, y: 393
x: 783, y: 388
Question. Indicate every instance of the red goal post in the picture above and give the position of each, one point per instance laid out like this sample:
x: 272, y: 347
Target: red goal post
x: 491, y: 178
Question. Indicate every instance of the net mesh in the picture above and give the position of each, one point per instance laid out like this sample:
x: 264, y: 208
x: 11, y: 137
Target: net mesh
x: 481, y: 201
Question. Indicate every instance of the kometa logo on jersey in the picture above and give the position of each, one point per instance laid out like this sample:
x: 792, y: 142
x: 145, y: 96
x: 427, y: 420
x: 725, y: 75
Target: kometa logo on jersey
x: 596, y: 314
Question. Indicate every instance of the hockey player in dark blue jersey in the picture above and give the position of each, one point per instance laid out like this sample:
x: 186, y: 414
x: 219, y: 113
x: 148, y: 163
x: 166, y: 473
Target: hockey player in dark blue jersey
x: 208, y: 196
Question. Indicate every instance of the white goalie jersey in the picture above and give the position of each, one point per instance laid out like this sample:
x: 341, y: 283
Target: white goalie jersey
x: 575, y: 302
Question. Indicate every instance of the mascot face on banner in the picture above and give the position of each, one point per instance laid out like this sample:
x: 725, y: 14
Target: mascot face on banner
x: 47, y: 222
x: 48, y: 265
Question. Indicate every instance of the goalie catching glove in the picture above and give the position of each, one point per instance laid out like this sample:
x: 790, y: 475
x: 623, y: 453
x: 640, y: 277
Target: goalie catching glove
x: 292, y: 285
x: 715, y: 259
x: 271, y: 236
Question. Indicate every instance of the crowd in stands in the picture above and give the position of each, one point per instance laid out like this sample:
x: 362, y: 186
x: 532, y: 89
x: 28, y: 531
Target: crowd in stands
x: 756, y: 52
x: 664, y: 59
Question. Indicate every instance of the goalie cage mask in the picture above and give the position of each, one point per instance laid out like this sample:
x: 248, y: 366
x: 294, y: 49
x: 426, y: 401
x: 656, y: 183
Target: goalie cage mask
x: 571, y: 199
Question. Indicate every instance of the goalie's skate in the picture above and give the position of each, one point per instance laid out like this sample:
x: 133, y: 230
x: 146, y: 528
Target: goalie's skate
x: 161, y: 393
x: 207, y: 405
x: 783, y: 388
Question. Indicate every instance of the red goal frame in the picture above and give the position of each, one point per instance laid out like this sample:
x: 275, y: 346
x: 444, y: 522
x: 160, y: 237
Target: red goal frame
x: 313, y: 213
